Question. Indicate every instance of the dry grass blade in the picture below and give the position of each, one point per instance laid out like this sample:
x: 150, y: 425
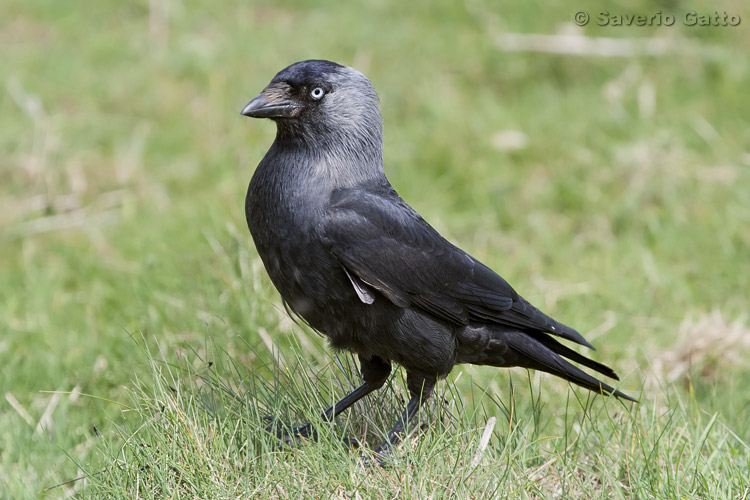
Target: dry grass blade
x: 483, y: 441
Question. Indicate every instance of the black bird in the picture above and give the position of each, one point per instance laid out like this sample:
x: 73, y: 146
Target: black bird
x: 359, y: 265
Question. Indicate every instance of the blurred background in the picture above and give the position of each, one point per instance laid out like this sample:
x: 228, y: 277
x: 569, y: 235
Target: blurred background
x: 603, y: 170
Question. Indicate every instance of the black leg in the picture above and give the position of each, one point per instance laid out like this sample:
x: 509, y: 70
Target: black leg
x: 375, y: 372
x: 420, y: 388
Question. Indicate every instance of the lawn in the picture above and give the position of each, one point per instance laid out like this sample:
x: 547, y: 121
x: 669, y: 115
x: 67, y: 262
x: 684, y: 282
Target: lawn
x: 607, y: 178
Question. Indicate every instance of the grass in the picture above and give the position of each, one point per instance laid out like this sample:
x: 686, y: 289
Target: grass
x: 610, y: 191
x: 195, y: 429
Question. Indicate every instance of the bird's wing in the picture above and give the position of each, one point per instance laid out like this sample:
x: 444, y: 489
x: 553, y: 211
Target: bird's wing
x: 383, y: 244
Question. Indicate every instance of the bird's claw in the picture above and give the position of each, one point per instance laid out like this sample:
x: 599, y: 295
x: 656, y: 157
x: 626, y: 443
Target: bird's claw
x: 352, y: 442
x: 373, y: 459
x: 380, y: 458
x: 291, y: 436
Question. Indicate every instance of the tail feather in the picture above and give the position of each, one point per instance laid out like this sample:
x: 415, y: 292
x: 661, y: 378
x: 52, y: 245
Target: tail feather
x: 523, y: 314
x: 546, y: 355
x: 572, y: 355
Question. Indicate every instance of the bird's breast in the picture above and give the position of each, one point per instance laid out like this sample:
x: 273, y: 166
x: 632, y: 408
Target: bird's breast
x: 283, y: 222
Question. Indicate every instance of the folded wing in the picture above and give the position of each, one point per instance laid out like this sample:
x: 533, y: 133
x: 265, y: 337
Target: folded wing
x: 382, y: 243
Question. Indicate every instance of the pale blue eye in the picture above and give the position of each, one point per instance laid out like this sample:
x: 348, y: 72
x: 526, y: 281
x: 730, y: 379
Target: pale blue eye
x: 317, y: 93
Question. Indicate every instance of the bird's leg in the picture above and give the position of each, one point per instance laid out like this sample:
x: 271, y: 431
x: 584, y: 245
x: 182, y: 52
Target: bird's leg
x: 308, y: 430
x: 420, y: 388
x: 375, y: 372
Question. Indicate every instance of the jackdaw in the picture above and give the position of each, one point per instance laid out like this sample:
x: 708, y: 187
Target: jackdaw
x: 360, y: 266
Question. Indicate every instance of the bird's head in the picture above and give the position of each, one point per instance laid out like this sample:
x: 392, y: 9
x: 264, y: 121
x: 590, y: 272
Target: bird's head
x: 321, y: 103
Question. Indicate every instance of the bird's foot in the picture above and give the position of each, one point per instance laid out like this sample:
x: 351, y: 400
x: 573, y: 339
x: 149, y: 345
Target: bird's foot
x: 375, y: 459
x: 382, y: 458
x: 293, y: 436
x: 370, y: 461
x: 352, y: 442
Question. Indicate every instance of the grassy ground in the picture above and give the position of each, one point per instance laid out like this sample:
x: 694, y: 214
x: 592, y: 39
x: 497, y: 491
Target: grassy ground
x: 138, y: 328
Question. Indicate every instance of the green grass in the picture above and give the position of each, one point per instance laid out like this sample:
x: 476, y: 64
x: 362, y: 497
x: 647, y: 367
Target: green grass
x: 197, y: 431
x: 125, y: 264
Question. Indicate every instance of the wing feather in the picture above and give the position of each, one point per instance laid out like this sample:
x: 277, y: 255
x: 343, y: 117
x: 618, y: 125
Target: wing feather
x: 385, y: 244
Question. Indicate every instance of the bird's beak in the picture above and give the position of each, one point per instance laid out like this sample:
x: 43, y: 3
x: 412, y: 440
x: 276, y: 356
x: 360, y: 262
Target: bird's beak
x: 260, y: 107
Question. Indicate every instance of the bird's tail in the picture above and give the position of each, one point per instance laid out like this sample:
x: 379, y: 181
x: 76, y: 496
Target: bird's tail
x: 541, y: 352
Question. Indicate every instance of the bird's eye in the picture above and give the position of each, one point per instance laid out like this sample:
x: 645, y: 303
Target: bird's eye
x: 317, y: 93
